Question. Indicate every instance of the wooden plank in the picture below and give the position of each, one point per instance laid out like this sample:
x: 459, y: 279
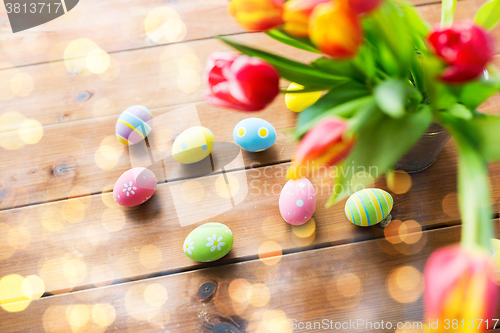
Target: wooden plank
x: 92, y: 232
x: 156, y: 77
x: 370, y: 281
x: 87, y: 153
x: 115, y: 26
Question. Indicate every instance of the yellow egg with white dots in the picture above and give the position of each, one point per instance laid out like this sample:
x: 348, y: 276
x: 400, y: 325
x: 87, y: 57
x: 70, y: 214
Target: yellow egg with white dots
x: 297, y: 102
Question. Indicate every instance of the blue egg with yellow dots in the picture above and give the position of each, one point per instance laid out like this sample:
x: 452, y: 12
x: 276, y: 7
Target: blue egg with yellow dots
x: 254, y: 134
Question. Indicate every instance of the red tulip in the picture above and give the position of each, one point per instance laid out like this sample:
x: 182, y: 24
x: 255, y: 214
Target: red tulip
x: 362, y: 6
x: 258, y: 15
x: 296, y: 16
x: 466, y: 48
x: 335, y: 30
x: 459, y: 285
x: 326, y: 144
x: 240, y: 82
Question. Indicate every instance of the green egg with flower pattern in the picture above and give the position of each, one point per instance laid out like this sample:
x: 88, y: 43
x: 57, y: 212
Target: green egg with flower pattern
x: 208, y: 242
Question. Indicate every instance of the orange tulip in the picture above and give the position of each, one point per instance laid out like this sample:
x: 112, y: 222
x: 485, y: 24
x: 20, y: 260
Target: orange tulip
x: 258, y: 15
x: 335, y: 30
x: 460, y: 294
x: 296, y: 16
x: 325, y: 145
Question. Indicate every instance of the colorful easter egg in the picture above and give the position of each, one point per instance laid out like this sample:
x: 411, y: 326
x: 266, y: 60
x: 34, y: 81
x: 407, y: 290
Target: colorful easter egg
x: 368, y: 206
x: 208, y: 242
x: 193, y: 145
x: 134, y: 124
x: 134, y: 187
x: 254, y: 134
x: 297, y: 201
x: 297, y: 102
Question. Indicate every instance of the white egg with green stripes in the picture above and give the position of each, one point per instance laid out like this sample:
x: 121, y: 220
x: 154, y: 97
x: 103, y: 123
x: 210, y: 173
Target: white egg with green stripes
x: 368, y: 206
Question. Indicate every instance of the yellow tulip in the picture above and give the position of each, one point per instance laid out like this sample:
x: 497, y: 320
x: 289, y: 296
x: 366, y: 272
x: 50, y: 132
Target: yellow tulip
x: 297, y: 102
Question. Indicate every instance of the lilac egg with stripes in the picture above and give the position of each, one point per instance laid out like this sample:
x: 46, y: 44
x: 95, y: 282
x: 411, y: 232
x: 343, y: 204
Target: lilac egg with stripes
x: 134, y: 124
x: 368, y: 206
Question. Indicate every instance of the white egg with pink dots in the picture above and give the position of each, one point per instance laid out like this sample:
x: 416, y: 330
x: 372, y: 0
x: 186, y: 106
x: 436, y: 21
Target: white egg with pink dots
x: 297, y: 201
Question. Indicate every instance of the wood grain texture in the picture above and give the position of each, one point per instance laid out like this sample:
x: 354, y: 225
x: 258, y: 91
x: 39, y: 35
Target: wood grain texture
x: 92, y: 231
x: 370, y: 281
x: 114, y: 26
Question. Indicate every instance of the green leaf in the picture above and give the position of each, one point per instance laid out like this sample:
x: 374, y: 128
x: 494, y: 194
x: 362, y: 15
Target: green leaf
x: 487, y: 127
x: 392, y: 95
x: 473, y: 183
x: 300, y: 43
x: 341, y: 68
x: 489, y: 14
x: 447, y: 12
x: 389, y: 33
x: 460, y: 111
x: 379, y: 145
x: 347, y: 92
x: 477, y: 92
x: 291, y: 70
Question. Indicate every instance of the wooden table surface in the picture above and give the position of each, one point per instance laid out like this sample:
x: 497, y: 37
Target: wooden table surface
x: 72, y: 260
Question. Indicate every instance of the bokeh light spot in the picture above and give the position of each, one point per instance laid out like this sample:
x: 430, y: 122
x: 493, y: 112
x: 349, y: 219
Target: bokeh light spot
x: 192, y: 191
x: 240, y: 290
x: 405, y: 284
x: 450, y: 205
x: 261, y: 295
x: 19, y: 238
x: 392, y: 230
x: 155, y: 295
x: 150, y: 256
x: 270, y: 253
x: 97, y: 61
x: 33, y: 287
x: 77, y: 316
x: 305, y: 230
x: 399, y: 181
x: 103, y: 314
x: 12, y: 297
x: 188, y: 80
x: 348, y: 284
x: 22, y: 84
x: 227, y: 186
x: 410, y: 231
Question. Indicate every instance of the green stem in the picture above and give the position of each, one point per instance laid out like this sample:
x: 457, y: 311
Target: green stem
x: 473, y: 185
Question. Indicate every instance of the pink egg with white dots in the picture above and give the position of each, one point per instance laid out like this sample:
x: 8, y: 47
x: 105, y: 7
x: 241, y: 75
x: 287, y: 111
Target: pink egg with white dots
x: 297, y: 201
x: 134, y: 187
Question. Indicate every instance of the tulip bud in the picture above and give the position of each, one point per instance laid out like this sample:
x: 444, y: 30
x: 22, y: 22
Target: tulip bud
x: 257, y: 15
x: 335, y: 30
x: 296, y: 16
x: 459, y: 285
x: 240, y: 82
x: 466, y: 48
x: 359, y: 7
x: 298, y: 101
x: 326, y: 144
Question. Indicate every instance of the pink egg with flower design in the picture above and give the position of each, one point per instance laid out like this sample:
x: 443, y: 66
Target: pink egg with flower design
x: 134, y: 187
x: 297, y: 201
